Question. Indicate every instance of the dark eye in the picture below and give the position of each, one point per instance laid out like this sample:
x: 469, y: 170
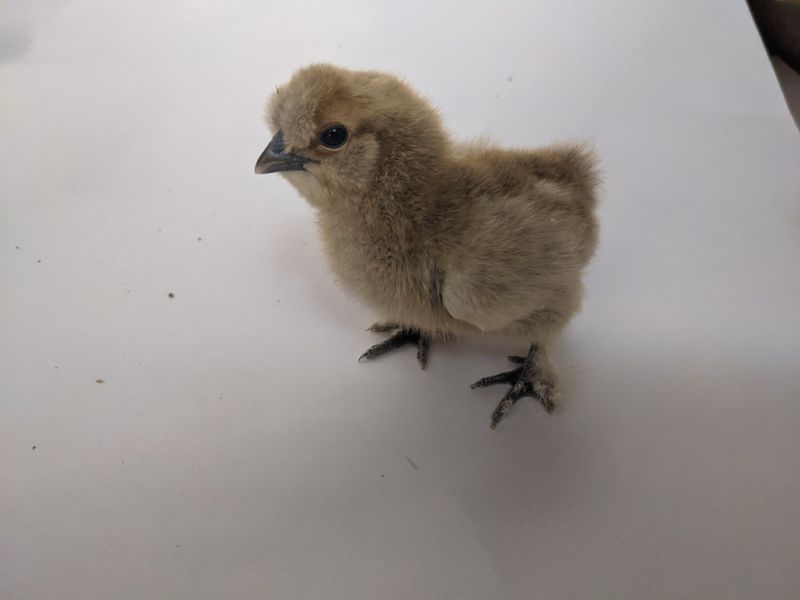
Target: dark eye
x: 333, y: 136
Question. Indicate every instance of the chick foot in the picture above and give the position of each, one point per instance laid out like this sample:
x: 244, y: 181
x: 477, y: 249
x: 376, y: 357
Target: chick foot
x: 400, y: 337
x: 526, y: 380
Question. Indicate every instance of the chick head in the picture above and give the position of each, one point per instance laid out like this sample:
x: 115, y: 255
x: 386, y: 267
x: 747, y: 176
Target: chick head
x: 342, y: 134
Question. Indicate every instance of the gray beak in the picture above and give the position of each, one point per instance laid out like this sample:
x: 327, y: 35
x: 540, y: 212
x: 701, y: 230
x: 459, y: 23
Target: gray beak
x: 275, y: 158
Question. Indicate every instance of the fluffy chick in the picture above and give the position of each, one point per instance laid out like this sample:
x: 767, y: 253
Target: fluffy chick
x: 438, y: 237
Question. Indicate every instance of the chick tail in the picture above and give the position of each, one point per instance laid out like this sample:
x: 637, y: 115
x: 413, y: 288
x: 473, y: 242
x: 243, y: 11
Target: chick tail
x: 578, y: 166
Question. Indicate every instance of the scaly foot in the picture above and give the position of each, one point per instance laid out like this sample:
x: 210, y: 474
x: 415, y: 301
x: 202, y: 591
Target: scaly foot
x: 526, y: 380
x: 400, y: 337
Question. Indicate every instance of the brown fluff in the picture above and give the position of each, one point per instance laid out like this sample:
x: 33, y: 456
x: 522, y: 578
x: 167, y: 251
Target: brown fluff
x: 438, y: 236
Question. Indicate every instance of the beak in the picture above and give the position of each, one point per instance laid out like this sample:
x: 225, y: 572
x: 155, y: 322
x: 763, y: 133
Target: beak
x: 275, y: 158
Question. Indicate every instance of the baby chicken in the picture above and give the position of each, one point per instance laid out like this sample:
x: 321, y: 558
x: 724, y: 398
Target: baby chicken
x: 438, y: 237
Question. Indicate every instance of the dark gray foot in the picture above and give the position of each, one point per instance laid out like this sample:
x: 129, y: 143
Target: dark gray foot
x: 525, y: 381
x: 399, y: 338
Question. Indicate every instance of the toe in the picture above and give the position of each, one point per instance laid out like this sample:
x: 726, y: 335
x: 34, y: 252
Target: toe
x: 423, y: 343
x: 505, y: 405
x: 507, y: 377
x: 383, y: 327
x: 369, y: 355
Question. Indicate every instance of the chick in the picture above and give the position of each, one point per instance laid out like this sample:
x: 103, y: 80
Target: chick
x: 440, y: 238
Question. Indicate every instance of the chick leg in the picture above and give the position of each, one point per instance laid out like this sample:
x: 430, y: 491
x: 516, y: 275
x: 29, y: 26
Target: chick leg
x: 399, y: 338
x: 526, y: 380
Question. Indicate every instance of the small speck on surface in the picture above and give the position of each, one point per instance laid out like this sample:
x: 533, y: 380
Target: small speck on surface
x: 171, y: 295
x: 510, y: 78
x: 199, y: 239
x: 16, y: 247
x: 33, y: 447
x: 100, y: 381
x: 277, y: 300
x: 381, y: 475
x: 55, y: 367
x: 38, y: 261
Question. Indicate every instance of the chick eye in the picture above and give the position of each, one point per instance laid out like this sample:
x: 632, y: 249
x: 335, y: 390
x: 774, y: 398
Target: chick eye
x: 334, y: 136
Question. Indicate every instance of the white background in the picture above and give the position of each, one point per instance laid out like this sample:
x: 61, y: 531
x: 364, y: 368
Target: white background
x: 237, y: 450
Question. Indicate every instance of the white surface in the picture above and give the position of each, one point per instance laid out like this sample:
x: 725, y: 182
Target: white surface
x: 236, y: 448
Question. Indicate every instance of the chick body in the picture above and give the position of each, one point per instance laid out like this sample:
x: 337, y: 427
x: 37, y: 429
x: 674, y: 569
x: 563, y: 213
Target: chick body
x: 495, y: 243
